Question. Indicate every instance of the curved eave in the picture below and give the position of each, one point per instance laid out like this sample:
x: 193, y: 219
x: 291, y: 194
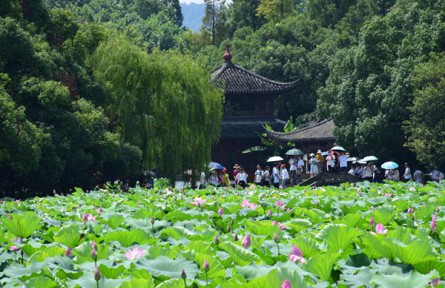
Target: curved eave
x: 239, y: 81
x: 320, y: 131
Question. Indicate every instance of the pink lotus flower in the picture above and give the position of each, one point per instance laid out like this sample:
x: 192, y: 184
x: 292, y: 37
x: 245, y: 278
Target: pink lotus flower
x: 220, y: 211
x: 274, y: 222
x: 199, y: 201
x: 248, y: 204
x: 100, y: 210
x: 246, y: 241
x: 206, y: 265
x: 388, y: 194
x: 410, y: 210
x: 296, y: 255
x: 278, y: 203
x: 68, y: 252
x: 372, y: 222
x: 276, y: 238
x: 435, y: 282
x: 286, y: 284
x: 14, y: 248
x: 434, y: 216
x: 380, y: 229
x: 85, y: 217
x: 282, y: 227
x: 91, y: 217
x: 433, y: 225
x: 135, y: 253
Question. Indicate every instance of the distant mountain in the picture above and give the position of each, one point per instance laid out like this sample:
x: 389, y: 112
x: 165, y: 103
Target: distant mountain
x: 193, y: 14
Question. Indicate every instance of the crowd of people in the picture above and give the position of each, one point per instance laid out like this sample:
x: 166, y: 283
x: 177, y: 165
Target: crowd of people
x: 281, y: 175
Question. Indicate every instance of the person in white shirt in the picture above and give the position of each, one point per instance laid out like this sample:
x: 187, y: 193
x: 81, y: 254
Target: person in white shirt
x: 276, y: 176
x: 367, y: 173
x: 343, y: 161
x: 258, y: 175
x: 284, y: 175
x: 407, y: 175
x: 330, y: 162
x: 292, y: 169
x: 241, y: 178
x: 300, y: 168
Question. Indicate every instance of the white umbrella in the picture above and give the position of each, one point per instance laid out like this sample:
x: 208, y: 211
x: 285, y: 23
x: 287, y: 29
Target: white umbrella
x: 370, y: 158
x: 353, y: 159
x: 338, y: 148
x: 275, y: 159
x: 294, y: 152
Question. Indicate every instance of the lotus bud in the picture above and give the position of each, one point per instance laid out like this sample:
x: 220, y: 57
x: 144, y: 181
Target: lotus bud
x: 410, y: 210
x: 435, y: 282
x: 19, y: 240
x: 269, y: 213
x: 85, y: 217
x: 206, y: 265
x: 94, y: 254
x: 433, y: 225
x: 276, y: 238
x: 286, y: 284
x: 68, y: 252
x: 152, y: 220
x: 94, y: 245
x: 97, y: 274
x: 100, y: 210
x: 183, y: 274
x: 372, y: 222
x: 9, y: 216
x: 246, y: 241
x: 235, y: 238
x: 220, y: 211
x: 14, y: 248
x: 229, y: 228
x: 216, y: 240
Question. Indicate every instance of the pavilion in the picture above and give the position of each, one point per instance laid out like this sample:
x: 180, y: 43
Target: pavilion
x: 249, y: 105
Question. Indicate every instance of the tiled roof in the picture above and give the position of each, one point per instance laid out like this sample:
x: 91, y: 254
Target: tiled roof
x: 318, y: 131
x: 247, y: 128
x: 236, y: 80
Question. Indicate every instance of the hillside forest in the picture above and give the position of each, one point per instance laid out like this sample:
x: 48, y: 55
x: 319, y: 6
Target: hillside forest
x: 94, y: 90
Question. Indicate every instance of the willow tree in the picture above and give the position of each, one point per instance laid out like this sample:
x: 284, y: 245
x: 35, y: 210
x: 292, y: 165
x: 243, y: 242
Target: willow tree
x: 163, y: 102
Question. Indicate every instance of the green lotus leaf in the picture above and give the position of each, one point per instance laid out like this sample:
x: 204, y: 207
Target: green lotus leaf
x: 351, y: 220
x: 276, y: 277
x: 87, y: 281
x: 216, y: 268
x: 115, y: 221
x: 200, y: 246
x: 41, y: 281
x: 254, y: 270
x: 83, y: 252
x: 424, y: 212
x: 416, y: 252
x: 375, y: 246
x: 428, y: 266
x: 68, y: 236
x: 164, y: 266
x: 262, y: 228
x: 65, y: 266
x: 299, y: 225
x: 127, y: 238
x: 22, y: 225
x: 356, y: 277
x: 137, y: 283
x: 321, y: 265
x: 238, y: 254
x: 177, y: 232
x: 384, y: 214
x: 17, y: 271
x: 339, y: 237
x: 409, y: 280
x: 170, y: 252
x: 172, y: 283
x: 111, y: 272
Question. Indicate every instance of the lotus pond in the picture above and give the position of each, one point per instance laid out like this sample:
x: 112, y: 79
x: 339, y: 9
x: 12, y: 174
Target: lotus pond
x: 379, y: 235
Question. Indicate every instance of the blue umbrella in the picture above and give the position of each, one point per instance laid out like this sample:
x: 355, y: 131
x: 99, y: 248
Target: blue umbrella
x: 390, y: 165
x: 215, y: 166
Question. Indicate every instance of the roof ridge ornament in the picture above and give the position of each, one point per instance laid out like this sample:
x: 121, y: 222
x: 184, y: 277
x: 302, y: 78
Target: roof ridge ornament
x: 227, y: 56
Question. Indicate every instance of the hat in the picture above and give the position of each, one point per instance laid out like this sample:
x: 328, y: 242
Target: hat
x: 319, y: 152
x: 236, y: 166
x: 312, y: 154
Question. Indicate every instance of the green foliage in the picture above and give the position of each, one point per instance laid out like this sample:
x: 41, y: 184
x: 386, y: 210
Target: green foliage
x: 149, y: 94
x: 22, y: 225
x: 274, y: 10
x: 426, y: 123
